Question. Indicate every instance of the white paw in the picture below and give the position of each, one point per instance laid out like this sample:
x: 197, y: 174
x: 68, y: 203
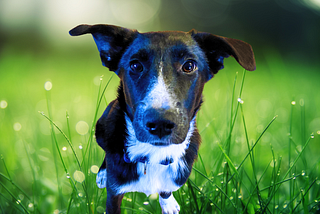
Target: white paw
x: 101, y: 178
x: 169, y: 205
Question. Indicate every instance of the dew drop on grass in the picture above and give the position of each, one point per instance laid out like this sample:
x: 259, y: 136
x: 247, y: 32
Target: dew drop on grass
x: 312, y: 135
x: 97, y: 80
x: 285, y: 206
x: 68, y: 175
x: 30, y: 205
x: 303, y: 173
x: 240, y: 196
x: 146, y: 203
x: 240, y: 100
x: 276, y: 207
x: 80, y: 194
x: 18, y: 201
x: 64, y: 148
x: 80, y: 147
x: 318, y: 182
x: 293, y: 103
x: 318, y: 132
x: 129, y: 199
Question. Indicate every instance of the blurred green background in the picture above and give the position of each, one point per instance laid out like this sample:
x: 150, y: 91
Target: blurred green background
x: 35, y: 48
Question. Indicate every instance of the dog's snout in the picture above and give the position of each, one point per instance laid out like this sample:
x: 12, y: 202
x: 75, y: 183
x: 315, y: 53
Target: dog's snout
x: 159, y: 122
x: 160, y: 128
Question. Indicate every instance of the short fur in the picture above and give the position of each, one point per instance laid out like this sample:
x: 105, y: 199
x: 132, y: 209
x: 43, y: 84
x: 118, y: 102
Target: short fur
x: 149, y: 132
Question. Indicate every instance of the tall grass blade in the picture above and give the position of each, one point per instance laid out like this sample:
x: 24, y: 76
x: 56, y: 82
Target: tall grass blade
x: 229, y: 161
x: 15, y: 198
x: 67, y: 139
x: 289, y: 170
x: 99, y: 99
x: 304, y: 202
x: 253, y: 146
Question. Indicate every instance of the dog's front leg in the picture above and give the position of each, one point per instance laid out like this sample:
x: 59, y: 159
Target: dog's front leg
x: 168, y: 203
x: 113, y: 202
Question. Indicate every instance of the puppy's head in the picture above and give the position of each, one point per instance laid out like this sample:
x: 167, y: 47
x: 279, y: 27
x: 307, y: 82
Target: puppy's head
x: 163, y: 75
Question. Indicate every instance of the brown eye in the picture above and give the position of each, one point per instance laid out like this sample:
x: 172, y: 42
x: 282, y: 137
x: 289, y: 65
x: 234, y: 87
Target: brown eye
x: 136, y: 66
x: 189, y: 66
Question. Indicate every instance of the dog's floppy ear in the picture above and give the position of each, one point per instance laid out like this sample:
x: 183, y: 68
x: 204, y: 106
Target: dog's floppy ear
x: 111, y: 41
x: 217, y: 48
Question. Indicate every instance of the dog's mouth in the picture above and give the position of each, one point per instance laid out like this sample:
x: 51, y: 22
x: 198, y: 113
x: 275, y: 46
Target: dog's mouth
x: 160, y: 143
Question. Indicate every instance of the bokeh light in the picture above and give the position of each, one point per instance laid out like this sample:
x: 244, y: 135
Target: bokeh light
x: 78, y: 176
x: 3, y: 104
x: 17, y: 126
x: 48, y: 86
x: 82, y: 127
x: 94, y: 169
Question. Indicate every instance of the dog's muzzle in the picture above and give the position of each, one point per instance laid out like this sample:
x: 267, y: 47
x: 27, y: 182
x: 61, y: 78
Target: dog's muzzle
x: 160, y: 127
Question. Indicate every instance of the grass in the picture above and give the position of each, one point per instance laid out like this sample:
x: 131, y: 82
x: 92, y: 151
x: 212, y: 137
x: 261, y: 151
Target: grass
x: 256, y: 156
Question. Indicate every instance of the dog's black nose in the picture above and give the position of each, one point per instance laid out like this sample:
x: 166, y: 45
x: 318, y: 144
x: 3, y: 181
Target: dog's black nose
x: 161, y: 128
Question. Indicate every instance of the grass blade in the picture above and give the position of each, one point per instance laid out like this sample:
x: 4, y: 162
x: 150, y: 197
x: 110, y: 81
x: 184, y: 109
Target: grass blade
x: 228, y: 160
x: 67, y: 139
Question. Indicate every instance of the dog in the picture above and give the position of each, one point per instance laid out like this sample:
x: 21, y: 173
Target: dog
x: 149, y: 131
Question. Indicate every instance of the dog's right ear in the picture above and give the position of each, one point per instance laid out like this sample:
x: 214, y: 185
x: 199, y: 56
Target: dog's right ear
x: 111, y: 41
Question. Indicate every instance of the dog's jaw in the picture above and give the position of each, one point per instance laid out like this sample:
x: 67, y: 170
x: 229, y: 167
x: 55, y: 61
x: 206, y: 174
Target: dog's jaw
x: 151, y: 150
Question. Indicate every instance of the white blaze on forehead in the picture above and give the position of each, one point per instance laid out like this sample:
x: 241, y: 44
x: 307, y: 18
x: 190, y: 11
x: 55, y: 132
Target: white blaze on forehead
x: 159, y: 96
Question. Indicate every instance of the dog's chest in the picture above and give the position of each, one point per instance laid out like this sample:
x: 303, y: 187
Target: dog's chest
x: 154, y: 178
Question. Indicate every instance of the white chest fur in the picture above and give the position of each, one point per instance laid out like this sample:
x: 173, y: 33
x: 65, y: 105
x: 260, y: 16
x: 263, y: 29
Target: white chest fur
x: 155, y: 177
x: 158, y: 178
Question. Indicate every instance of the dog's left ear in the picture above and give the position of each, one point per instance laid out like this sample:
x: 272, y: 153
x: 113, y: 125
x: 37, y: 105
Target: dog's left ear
x: 111, y: 41
x: 217, y: 48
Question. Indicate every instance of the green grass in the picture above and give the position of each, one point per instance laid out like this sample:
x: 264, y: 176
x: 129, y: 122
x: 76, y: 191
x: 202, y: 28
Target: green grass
x: 259, y: 153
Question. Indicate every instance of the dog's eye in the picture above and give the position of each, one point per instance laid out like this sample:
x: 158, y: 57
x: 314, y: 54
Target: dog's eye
x: 136, y: 66
x: 189, y: 66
